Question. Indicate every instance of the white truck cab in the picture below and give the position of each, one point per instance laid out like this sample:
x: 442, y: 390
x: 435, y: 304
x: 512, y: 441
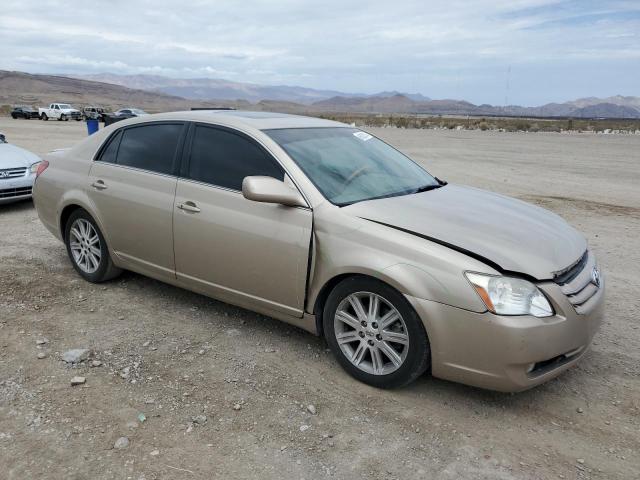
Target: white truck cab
x: 60, y: 111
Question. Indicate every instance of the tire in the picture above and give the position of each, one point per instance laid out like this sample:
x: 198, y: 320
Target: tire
x: 62, y: 117
x: 96, y: 265
x: 365, y: 349
x: 44, y: 117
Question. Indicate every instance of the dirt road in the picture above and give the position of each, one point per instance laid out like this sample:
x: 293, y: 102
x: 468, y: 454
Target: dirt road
x: 224, y: 392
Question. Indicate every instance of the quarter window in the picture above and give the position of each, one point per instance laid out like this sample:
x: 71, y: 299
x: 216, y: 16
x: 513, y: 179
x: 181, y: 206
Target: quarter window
x: 223, y: 158
x: 150, y: 147
x: 111, y: 150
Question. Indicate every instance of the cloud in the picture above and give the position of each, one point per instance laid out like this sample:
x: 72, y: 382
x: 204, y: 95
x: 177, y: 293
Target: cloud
x: 461, y: 49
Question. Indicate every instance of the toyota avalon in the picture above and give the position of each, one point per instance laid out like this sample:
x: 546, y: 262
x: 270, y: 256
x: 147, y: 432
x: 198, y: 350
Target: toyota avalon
x: 328, y: 228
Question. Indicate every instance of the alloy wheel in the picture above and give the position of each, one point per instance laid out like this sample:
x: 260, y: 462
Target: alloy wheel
x: 371, y: 333
x: 84, y: 243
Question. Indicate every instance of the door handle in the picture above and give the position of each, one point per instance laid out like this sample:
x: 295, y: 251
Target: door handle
x: 99, y: 185
x: 189, y: 207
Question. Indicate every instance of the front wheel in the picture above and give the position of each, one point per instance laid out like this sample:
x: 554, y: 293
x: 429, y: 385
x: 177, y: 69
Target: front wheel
x: 375, y: 334
x: 87, y: 248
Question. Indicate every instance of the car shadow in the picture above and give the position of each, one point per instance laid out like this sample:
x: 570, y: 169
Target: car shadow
x: 19, y: 206
x: 426, y: 386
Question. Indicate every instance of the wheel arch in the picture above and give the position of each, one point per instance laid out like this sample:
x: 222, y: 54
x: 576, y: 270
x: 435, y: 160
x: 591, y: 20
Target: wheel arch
x: 320, y: 298
x: 65, y: 214
x: 73, y: 202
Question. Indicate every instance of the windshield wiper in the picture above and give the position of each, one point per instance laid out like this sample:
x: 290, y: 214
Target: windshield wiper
x: 426, y: 188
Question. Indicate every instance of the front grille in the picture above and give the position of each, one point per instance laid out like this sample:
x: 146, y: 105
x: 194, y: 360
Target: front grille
x: 14, y: 192
x: 7, y: 173
x: 577, y: 282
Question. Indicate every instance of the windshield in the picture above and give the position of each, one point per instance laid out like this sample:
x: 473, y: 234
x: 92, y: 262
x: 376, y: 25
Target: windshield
x: 348, y: 165
x: 64, y: 106
x: 137, y: 111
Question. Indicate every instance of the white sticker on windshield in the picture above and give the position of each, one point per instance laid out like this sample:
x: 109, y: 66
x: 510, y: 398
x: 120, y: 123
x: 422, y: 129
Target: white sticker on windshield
x: 364, y: 136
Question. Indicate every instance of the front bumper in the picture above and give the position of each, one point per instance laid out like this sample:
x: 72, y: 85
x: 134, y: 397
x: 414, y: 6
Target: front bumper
x: 16, y: 189
x: 508, y: 353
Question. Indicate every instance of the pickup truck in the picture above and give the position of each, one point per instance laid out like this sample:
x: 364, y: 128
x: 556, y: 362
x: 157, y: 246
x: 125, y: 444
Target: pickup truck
x: 60, y: 111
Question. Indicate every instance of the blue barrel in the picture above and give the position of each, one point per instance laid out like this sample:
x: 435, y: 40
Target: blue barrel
x: 92, y: 126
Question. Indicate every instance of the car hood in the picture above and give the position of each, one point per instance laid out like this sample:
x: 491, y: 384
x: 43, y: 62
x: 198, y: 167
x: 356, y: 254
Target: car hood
x: 12, y: 156
x: 504, y: 232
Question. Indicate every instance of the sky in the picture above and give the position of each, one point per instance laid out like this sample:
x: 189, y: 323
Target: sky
x: 525, y: 52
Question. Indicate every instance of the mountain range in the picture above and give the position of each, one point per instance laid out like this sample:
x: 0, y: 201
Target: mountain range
x: 158, y: 93
x: 383, y: 102
x: 219, y: 89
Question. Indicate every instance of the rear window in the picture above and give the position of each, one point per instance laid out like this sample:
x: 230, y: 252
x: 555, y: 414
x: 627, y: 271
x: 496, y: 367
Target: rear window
x: 150, y: 147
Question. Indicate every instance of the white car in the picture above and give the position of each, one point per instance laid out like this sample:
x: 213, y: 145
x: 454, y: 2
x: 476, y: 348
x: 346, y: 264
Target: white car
x: 59, y: 111
x: 18, y: 170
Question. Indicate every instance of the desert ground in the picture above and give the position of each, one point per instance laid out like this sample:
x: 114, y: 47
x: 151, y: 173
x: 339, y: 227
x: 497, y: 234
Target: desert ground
x: 225, y: 393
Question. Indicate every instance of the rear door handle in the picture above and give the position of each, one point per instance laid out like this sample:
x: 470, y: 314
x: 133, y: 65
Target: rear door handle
x: 189, y: 207
x: 99, y: 185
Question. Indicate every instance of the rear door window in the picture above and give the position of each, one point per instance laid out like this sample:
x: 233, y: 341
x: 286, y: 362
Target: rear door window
x: 150, y: 147
x: 224, y: 158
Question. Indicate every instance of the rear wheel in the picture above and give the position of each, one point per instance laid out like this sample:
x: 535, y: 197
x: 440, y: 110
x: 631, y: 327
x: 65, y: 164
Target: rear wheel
x: 87, y: 248
x: 44, y: 117
x: 375, y: 334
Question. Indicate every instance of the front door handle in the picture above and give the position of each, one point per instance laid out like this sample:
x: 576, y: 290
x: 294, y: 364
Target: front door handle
x: 189, y: 207
x: 99, y: 185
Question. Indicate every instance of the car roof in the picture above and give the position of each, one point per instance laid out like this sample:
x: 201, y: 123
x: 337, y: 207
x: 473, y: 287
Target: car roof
x: 242, y: 118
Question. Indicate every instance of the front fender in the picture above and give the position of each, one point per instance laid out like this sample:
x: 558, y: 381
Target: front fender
x: 414, y: 266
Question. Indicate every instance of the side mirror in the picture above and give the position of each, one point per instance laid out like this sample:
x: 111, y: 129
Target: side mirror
x: 271, y: 190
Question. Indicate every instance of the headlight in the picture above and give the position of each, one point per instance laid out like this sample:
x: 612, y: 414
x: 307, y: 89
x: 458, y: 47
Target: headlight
x: 510, y: 295
x: 34, y: 168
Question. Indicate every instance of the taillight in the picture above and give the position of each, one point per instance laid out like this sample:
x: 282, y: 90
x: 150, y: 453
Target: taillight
x: 42, y: 166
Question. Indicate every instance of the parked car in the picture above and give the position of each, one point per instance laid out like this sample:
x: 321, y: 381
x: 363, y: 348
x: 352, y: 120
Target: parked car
x: 130, y: 112
x: 18, y: 169
x: 60, y: 111
x: 24, y: 112
x: 94, y: 113
x: 328, y: 228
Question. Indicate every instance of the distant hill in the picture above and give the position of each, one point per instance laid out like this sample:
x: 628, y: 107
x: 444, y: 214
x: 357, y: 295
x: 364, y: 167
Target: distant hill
x: 402, y: 104
x: 621, y: 100
x: 219, y: 89
x: 606, y: 110
x: 28, y: 89
x: 211, y: 88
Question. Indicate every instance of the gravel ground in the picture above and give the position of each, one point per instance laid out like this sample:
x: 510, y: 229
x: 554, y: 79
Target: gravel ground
x: 179, y: 386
